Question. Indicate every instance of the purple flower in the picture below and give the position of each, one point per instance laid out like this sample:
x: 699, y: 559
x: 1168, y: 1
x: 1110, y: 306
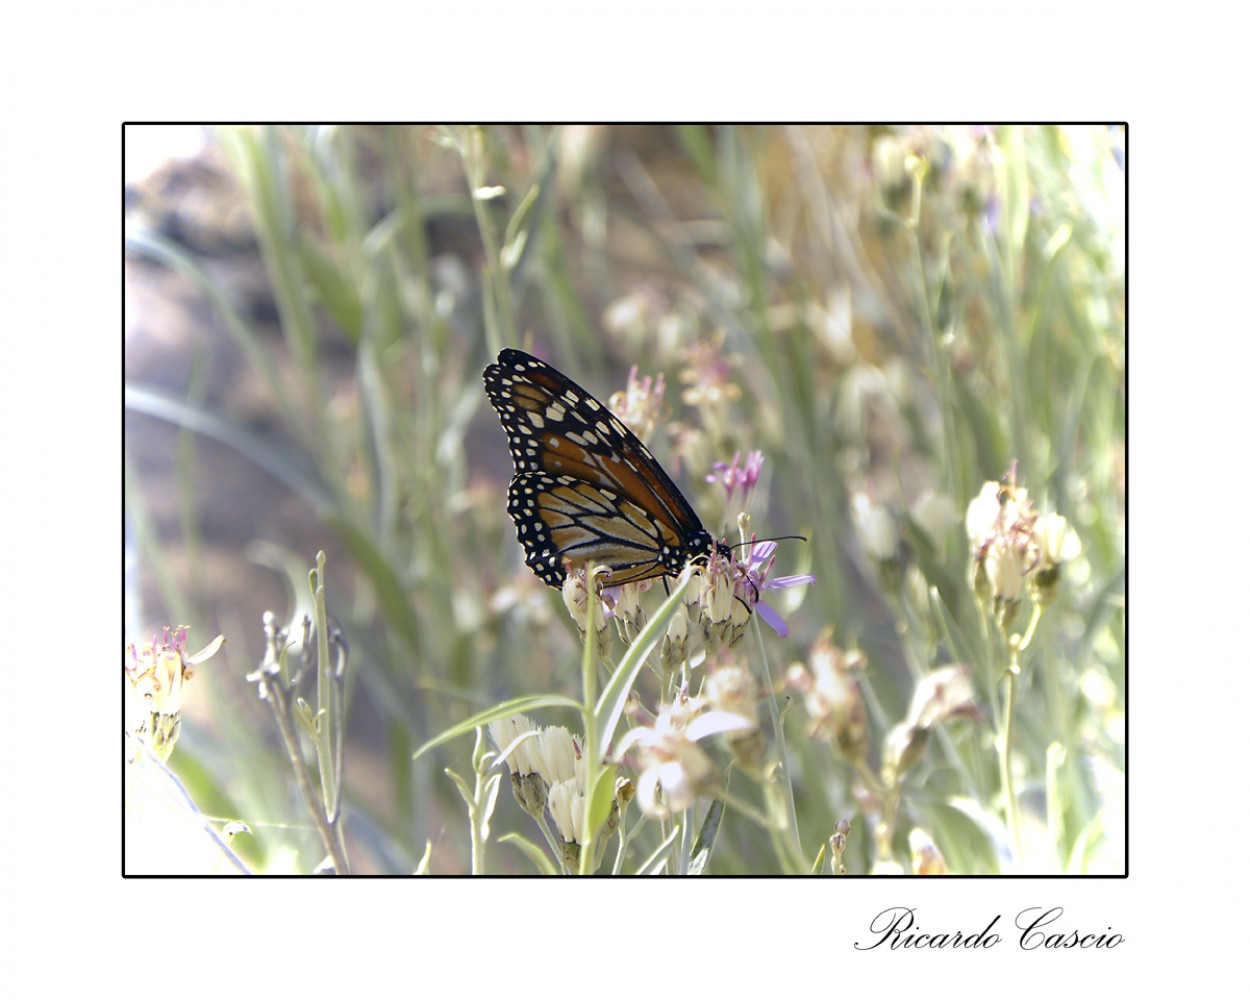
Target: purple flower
x: 754, y: 580
x: 734, y: 478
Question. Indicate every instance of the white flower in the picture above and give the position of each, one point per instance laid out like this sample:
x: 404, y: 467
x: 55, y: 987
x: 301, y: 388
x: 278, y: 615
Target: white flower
x: 1055, y: 543
x: 503, y: 732
x: 557, y: 754
x: 544, y: 759
x: 940, y: 695
x: 671, y: 763
x: 983, y: 514
x: 567, y: 804
x: 1005, y: 565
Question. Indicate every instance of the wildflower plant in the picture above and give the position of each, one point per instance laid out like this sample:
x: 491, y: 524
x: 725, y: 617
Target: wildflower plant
x: 322, y: 662
x: 905, y: 344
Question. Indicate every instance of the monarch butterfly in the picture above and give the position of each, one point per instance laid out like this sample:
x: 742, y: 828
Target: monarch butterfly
x: 584, y: 487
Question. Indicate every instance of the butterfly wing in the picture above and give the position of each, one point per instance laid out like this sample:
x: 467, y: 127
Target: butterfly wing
x: 585, y: 488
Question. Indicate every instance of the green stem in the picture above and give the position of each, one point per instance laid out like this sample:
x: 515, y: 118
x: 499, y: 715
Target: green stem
x: 477, y: 849
x: 500, y: 321
x: 1009, y: 788
x: 687, y: 841
x: 1016, y: 644
x: 594, y: 760
x: 325, y: 694
x: 796, y: 845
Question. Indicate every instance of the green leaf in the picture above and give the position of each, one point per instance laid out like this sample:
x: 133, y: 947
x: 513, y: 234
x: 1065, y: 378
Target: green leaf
x: 701, y: 853
x: 516, y: 706
x: 616, y: 692
x: 698, y: 146
x: 1016, y: 188
x: 973, y: 840
x: 517, y: 232
x: 532, y: 851
x: 491, y: 796
x: 654, y: 865
x: 391, y: 593
x: 335, y: 290
x: 528, y: 216
x: 277, y: 460
x: 600, y: 802
x: 304, y: 716
x: 462, y: 786
x: 1086, y: 846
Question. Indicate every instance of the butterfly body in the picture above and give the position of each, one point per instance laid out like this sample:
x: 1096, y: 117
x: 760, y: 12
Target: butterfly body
x: 584, y: 488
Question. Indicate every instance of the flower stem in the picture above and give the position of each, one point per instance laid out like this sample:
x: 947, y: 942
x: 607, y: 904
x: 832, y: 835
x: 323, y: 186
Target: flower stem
x: 795, y: 844
x: 594, y: 760
x: 1004, y: 760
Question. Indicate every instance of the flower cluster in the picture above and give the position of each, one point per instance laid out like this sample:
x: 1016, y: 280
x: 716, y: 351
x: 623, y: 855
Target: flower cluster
x: 641, y: 404
x: 548, y: 773
x: 548, y: 767
x: 831, y: 694
x: 730, y: 590
x: 738, y: 482
x: 708, y: 375
x: 624, y: 605
x: 156, y: 672
x: 1012, y: 543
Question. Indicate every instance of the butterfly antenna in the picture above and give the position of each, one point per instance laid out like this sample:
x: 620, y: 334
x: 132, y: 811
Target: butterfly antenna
x: 777, y: 538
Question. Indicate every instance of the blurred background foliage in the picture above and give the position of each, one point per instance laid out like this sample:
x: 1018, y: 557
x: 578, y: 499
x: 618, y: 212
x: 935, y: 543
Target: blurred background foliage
x: 901, y: 312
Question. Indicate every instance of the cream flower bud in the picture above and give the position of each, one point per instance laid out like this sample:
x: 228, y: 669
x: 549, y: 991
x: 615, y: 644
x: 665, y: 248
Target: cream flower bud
x: 982, y: 514
x: 1056, y: 544
x: 567, y: 803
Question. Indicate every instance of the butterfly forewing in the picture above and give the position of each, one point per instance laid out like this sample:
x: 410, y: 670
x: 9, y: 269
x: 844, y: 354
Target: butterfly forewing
x: 585, y: 488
